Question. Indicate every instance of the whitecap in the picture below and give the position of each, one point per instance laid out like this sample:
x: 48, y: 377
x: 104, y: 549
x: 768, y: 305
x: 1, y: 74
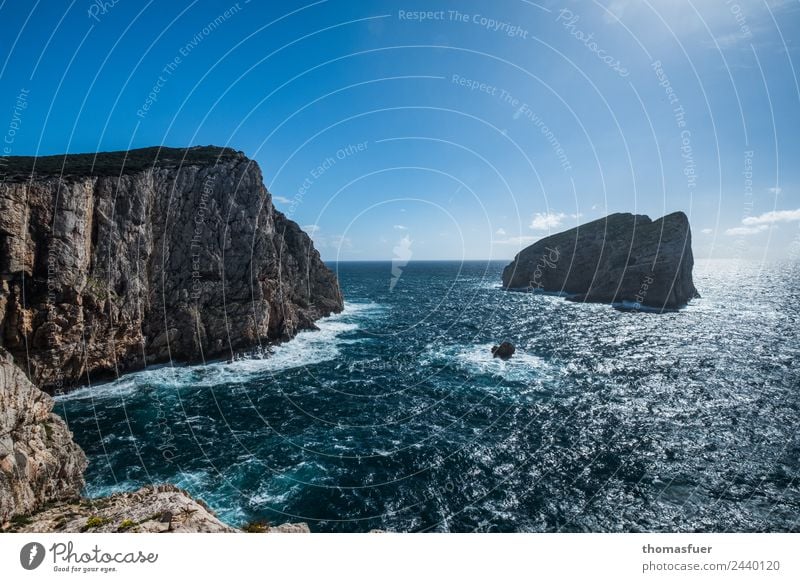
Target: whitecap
x: 479, y: 360
x: 307, y: 348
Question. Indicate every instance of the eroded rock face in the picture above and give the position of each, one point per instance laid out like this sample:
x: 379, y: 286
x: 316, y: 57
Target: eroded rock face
x: 620, y: 258
x: 39, y: 462
x: 145, y: 256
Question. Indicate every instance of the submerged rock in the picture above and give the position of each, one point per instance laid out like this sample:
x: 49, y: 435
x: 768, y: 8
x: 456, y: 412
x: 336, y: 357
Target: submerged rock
x: 504, y: 351
x: 112, y: 261
x: 622, y: 258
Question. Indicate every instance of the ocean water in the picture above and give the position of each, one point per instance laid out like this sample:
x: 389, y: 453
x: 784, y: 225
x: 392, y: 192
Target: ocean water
x: 394, y: 415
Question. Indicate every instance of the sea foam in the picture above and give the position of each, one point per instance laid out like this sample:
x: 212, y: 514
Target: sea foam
x: 307, y: 348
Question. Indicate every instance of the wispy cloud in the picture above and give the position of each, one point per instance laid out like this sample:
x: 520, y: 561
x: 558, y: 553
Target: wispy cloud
x: 775, y: 190
x: 311, y: 228
x: 501, y: 232
x: 546, y: 221
x: 757, y: 224
x: 281, y: 199
x: 707, y: 230
x: 746, y: 230
x: 773, y: 217
x: 400, y: 227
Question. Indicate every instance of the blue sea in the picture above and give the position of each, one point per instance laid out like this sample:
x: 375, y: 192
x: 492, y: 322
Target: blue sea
x: 395, y: 416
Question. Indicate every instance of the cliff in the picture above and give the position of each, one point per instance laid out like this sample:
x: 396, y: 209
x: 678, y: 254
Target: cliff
x: 112, y: 261
x: 41, y: 478
x: 622, y: 258
x: 39, y: 462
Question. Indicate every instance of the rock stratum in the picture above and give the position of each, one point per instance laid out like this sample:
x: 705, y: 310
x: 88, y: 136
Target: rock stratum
x: 623, y: 259
x: 114, y: 261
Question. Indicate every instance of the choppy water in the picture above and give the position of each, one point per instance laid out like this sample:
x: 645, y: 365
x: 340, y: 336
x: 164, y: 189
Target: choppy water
x: 395, y: 416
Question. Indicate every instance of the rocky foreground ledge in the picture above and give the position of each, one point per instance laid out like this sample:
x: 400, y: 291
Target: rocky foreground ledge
x: 624, y: 259
x: 113, y: 261
x: 41, y: 478
x: 156, y: 509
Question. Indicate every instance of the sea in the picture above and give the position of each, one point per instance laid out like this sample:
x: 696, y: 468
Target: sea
x: 394, y: 415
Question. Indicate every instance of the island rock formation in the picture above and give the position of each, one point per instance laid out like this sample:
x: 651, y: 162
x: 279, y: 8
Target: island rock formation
x: 624, y: 259
x: 113, y: 261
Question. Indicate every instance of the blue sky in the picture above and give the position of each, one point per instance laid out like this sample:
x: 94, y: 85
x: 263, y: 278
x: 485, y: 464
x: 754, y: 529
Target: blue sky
x: 468, y: 131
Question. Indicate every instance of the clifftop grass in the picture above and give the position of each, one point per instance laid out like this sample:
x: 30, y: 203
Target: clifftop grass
x: 112, y: 163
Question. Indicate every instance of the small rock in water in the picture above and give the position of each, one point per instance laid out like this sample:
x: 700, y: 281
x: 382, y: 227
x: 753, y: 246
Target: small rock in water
x: 504, y: 351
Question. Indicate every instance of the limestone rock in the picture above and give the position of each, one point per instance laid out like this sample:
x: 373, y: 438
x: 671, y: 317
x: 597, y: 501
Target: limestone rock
x: 152, y: 509
x: 155, y: 509
x: 118, y: 260
x: 622, y: 258
x: 39, y: 462
x: 301, y: 527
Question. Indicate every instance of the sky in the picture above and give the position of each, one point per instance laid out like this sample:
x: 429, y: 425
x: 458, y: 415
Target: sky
x: 438, y: 129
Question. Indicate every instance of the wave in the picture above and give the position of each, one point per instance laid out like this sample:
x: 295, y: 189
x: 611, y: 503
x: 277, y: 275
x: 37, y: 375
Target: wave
x: 307, y: 348
x: 478, y: 360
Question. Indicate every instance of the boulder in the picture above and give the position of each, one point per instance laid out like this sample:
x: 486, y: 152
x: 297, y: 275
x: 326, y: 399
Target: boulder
x: 504, y: 351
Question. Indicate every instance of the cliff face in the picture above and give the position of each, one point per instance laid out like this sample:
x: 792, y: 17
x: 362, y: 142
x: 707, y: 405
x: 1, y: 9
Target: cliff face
x: 39, y: 462
x: 620, y: 258
x: 109, y: 262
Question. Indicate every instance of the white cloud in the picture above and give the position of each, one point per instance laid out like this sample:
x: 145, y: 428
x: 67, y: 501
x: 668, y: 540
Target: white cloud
x: 281, y: 199
x: 746, y: 230
x: 775, y: 190
x: 773, y: 217
x: 547, y: 221
x: 400, y: 227
x: 707, y: 230
x: 501, y: 232
x: 311, y: 229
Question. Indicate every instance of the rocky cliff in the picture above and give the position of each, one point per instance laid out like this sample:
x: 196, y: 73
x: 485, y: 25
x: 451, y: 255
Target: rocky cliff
x: 39, y: 462
x: 41, y: 478
x: 623, y: 258
x: 112, y: 261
